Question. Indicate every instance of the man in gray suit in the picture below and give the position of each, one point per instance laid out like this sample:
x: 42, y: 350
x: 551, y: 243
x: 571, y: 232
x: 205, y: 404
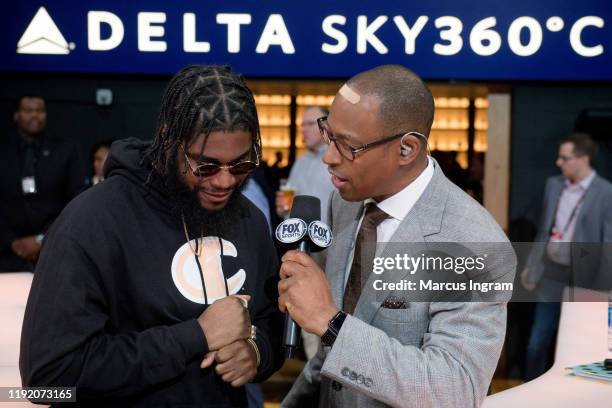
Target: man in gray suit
x: 570, y: 247
x: 378, y: 349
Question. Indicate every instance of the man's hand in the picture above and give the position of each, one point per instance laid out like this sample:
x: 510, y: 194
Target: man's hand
x: 282, y: 206
x: 26, y: 248
x: 526, y: 284
x: 305, y: 293
x: 236, y: 363
x: 226, y: 321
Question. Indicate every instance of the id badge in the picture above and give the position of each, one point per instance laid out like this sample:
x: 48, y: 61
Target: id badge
x: 557, y: 249
x: 556, y: 235
x: 28, y: 185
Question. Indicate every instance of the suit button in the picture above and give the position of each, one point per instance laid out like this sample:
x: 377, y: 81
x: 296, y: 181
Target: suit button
x: 336, y: 386
x: 360, y: 379
x: 345, y: 372
x: 353, y: 376
x: 368, y: 382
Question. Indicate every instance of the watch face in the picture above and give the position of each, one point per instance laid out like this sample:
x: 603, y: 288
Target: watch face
x: 335, y: 324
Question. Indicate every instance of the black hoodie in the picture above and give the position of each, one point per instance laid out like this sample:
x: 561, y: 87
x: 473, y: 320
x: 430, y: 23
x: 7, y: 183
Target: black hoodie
x: 116, y: 294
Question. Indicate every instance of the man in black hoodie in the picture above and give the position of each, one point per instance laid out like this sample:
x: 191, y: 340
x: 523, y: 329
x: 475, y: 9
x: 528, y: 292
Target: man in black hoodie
x: 139, y: 295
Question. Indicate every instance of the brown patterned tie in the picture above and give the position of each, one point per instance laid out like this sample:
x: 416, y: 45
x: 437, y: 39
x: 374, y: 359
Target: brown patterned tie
x: 363, y: 258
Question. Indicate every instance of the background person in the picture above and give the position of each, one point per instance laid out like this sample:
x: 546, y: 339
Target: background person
x: 41, y: 173
x: 575, y: 209
x: 99, y: 153
x: 309, y: 175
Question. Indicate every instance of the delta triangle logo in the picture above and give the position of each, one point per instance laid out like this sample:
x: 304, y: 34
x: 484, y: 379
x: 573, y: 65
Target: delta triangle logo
x: 43, y: 37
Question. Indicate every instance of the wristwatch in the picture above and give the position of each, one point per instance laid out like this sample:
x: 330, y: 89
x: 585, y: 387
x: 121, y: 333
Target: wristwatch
x: 333, y: 328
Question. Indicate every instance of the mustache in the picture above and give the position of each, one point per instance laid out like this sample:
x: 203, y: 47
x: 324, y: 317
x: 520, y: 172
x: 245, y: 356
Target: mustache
x: 197, y: 189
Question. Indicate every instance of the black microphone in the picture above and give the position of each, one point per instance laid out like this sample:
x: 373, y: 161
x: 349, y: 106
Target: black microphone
x: 304, y: 228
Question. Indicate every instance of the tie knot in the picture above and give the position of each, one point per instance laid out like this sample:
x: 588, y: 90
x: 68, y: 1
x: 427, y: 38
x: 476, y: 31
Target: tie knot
x: 374, y: 215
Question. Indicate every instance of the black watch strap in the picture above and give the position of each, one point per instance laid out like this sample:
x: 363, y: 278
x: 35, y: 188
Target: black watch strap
x: 334, y: 326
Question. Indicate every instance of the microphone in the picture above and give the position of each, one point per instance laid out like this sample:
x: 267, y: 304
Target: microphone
x: 305, y: 228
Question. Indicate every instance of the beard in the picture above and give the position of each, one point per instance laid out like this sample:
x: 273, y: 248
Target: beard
x: 186, y: 206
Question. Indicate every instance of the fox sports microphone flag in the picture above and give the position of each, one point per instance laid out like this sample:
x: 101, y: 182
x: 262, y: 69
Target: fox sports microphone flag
x: 305, y: 210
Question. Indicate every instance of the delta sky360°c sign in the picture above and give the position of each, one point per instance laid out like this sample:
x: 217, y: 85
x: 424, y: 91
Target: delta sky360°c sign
x: 460, y: 39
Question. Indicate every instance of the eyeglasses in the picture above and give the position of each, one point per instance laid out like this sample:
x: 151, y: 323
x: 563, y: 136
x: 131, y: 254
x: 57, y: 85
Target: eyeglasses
x: 347, y: 151
x: 565, y: 159
x: 210, y: 169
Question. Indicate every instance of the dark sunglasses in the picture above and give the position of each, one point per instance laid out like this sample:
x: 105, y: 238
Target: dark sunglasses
x: 203, y: 170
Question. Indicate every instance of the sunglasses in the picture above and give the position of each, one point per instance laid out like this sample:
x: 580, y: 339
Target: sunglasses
x: 203, y: 170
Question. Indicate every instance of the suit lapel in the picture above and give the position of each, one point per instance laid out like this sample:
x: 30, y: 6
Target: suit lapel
x: 590, y: 199
x: 556, y: 191
x: 423, y: 220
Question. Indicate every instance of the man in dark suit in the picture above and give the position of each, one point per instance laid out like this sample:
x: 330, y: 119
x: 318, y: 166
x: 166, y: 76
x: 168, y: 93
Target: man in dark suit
x: 40, y: 175
x: 576, y: 210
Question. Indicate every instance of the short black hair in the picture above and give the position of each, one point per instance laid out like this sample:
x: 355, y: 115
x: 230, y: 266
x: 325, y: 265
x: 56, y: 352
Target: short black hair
x: 17, y: 104
x: 583, y: 145
x: 201, y: 99
x: 406, y: 103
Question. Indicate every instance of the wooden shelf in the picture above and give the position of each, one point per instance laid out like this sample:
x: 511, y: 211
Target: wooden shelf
x: 274, y: 125
x: 275, y: 146
x: 452, y: 129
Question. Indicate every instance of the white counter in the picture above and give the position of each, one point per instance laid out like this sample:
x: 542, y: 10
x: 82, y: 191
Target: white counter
x: 582, y: 339
x: 14, y: 289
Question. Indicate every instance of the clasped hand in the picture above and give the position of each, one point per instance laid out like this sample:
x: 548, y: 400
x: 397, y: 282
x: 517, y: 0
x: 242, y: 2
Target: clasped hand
x: 26, y: 248
x: 227, y: 326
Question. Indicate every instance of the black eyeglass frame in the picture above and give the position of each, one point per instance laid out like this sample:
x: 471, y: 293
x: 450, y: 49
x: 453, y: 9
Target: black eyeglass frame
x: 218, y: 167
x: 325, y: 134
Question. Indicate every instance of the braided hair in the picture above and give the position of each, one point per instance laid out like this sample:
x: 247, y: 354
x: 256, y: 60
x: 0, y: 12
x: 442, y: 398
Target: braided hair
x: 201, y: 99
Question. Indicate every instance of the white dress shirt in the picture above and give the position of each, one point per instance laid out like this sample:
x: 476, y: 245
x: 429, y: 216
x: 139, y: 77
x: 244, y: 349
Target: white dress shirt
x: 566, y: 214
x: 397, y: 206
x: 570, y: 201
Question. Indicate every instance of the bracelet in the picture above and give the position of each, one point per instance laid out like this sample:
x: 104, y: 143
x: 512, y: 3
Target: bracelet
x: 252, y: 343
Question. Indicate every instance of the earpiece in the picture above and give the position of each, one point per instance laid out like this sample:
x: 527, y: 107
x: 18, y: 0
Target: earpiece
x: 405, y: 150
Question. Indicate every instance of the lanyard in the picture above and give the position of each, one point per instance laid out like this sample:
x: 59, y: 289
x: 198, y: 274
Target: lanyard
x: 574, y: 211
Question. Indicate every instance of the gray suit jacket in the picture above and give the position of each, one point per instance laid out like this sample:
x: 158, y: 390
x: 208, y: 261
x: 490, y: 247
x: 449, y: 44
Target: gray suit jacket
x: 591, y: 261
x: 430, y: 354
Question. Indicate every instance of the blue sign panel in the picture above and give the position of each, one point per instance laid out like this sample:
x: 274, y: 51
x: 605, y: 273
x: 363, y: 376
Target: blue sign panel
x: 439, y: 39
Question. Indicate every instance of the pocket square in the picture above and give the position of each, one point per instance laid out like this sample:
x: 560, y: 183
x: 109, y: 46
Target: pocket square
x: 395, y: 302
